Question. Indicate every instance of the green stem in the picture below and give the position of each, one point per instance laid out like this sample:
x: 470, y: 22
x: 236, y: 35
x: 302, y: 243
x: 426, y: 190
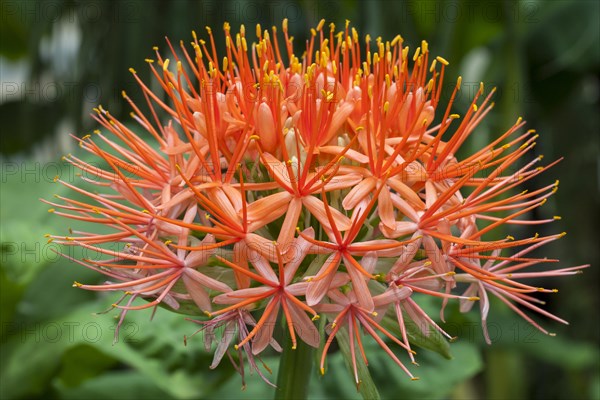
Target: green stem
x: 295, y: 371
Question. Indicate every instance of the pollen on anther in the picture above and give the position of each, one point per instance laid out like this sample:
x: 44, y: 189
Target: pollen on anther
x: 442, y: 60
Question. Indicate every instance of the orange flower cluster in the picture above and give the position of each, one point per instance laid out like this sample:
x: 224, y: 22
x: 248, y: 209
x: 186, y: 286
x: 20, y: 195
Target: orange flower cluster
x: 262, y: 185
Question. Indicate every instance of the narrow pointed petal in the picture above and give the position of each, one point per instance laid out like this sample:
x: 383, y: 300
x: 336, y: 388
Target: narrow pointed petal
x: 198, y: 293
x: 288, y: 228
x: 267, y: 209
x: 206, y: 281
x: 303, y: 326
x: 358, y: 193
x: 317, y: 209
x: 359, y: 284
x: 317, y: 289
x: 386, y: 208
x: 264, y: 336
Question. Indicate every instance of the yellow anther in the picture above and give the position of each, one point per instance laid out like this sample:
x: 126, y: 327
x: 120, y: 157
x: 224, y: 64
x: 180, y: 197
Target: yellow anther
x: 395, y: 40
x: 166, y: 64
x: 77, y: 284
x: 133, y: 71
x: 149, y: 60
x: 433, y: 64
x: 557, y: 217
x: 417, y: 52
x: 442, y: 60
x: 321, y: 23
x: 51, y: 210
x: 473, y: 298
x: 316, y: 317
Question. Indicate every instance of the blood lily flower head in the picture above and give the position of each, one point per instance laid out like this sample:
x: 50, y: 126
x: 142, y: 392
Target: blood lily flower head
x: 262, y: 185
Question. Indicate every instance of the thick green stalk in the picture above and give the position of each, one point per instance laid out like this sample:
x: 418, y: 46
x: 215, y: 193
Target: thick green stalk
x: 295, y: 371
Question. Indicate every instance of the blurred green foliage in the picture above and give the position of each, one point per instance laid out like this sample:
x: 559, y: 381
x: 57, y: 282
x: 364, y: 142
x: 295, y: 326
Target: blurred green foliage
x: 60, y: 58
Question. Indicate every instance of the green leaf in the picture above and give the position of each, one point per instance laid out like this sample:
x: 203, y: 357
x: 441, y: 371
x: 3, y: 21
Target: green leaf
x: 10, y: 293
x: 154, y: 348
x: 116, y: 385
x: 81, y: 363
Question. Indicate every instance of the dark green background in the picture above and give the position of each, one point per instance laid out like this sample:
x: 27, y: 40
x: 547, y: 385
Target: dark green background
x: 544, y: 58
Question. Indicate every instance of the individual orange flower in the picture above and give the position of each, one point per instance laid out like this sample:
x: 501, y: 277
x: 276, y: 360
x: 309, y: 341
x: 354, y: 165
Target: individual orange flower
x: 280, y: 292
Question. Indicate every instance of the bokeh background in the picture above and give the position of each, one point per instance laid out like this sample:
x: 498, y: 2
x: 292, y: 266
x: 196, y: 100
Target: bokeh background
x: 58, y: 59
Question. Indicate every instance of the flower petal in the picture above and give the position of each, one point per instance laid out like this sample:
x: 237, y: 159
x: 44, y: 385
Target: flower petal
x: 303, y: 325
x: 267, y: 209
x: 317, y: 209
x: 358, y: 193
